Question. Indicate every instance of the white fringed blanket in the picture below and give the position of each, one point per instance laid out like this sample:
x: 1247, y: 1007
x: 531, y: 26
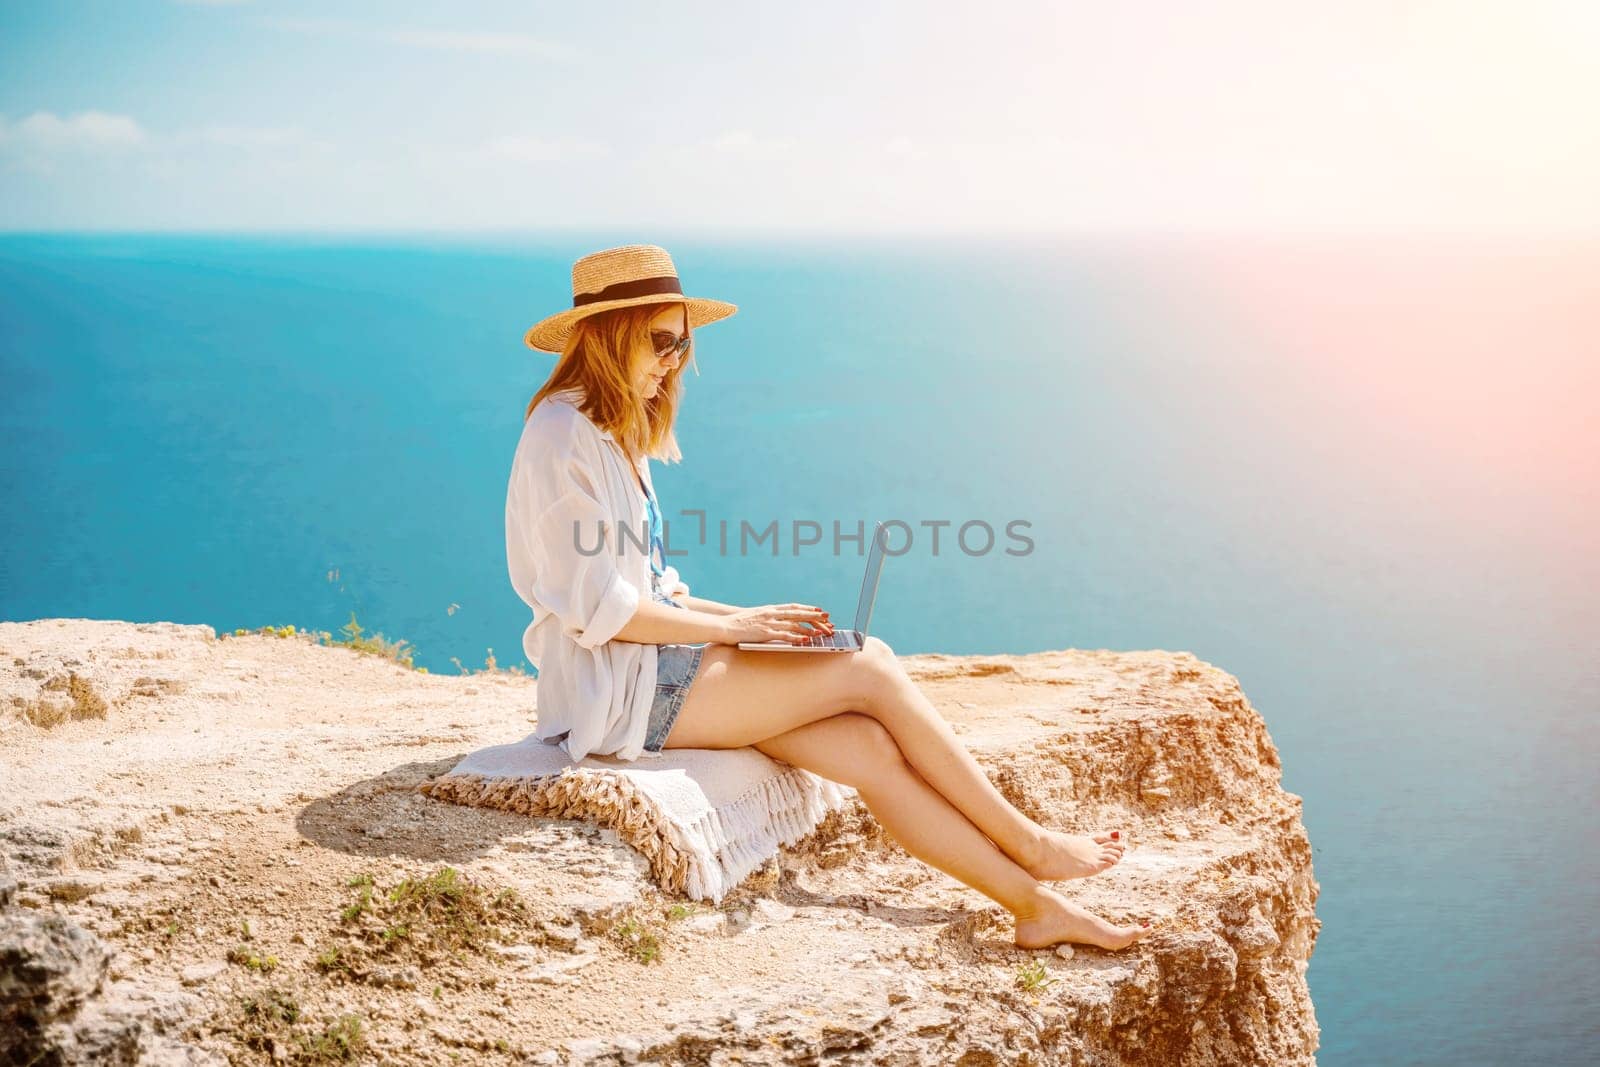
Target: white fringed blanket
x: 702, y: 818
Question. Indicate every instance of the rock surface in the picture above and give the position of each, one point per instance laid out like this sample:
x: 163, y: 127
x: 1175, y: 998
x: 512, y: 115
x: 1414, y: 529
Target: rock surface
x: 232, y: 865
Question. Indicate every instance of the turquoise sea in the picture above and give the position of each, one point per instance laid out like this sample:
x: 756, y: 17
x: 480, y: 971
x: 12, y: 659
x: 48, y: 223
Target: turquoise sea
x: 1363, y: 475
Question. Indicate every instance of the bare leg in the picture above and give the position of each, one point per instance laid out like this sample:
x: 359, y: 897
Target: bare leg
x: 857, y: 751
x: 741, y: 698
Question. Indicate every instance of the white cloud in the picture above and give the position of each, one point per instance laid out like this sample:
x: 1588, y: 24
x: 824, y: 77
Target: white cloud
x: 54, y: 146
x: 86, y: 129
x: 44, y: 141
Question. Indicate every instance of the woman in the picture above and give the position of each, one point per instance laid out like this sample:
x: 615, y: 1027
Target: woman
x: 627, y: 674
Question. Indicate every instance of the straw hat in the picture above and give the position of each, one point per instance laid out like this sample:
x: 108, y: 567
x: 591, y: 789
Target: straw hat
x: 622, y: 277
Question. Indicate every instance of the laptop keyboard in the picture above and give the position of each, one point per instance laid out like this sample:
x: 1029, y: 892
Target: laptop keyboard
x: 837, y: 639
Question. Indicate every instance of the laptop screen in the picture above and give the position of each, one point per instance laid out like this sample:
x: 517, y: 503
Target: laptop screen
x: 869, y: 583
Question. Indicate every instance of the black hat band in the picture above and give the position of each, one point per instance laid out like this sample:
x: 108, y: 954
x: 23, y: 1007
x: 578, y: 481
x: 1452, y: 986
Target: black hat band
x: 626, y: 290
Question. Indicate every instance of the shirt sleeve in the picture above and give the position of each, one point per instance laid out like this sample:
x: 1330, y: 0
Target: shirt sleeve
x: 566, y: 542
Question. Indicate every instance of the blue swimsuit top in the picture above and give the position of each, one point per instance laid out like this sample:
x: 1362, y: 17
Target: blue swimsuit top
x: 658, y: 548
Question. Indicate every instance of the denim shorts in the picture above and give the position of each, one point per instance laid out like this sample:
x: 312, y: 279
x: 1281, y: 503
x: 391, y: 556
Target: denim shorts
x: 675, y: 670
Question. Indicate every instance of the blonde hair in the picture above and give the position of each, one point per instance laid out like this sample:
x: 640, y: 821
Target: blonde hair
x: 597, y: 360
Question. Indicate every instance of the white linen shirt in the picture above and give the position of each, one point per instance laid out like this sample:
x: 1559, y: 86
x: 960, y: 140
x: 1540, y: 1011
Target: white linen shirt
x: 594, y: 693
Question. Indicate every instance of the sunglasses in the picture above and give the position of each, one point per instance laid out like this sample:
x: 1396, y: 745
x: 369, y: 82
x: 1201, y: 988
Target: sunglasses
x: 667, y: 343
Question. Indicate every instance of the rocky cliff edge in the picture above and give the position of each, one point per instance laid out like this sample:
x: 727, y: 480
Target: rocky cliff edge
x: 216, y: 853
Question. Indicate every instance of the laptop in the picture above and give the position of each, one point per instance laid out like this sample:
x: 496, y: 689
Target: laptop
x: 840, y: 640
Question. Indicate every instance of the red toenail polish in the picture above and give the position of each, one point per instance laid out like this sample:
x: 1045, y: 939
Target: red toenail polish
x: 1116, y: 834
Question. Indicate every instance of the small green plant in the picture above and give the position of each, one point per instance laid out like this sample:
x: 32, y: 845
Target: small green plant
x: 637, y: 940
x: 442, y: 890
x: 362, y: 903
x: 376, y: 645
x: 247, y: 957
x: 263, y: 1016
x: 331, y: 960
x: 447, y: 902
x: 339, y: 1040
x: 1033, y: 977
x: 272, y: 1006
x: 442, y: 913
x: 490, y: 666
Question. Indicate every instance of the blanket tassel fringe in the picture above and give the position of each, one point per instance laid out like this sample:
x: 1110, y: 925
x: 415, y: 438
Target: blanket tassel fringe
x: 704, y: 859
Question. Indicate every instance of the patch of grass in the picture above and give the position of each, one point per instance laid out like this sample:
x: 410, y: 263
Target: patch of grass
x: 355, y: 637
x: 273, y: 1022
x: 1032, y: 976
x: 342, y: 1039
x: 456, y: 909
x: 490, y: 666
x: 683, y: 911
x: 245, y: 956
x: 331, y: 961
x: 263, y: 1016
x: 638, y: 940
x: 363, y: 903
x: 311, y: 636
x: 421, y: 917
x: 161, y: 921
x: 376, y: 644
x: 272, y: 1005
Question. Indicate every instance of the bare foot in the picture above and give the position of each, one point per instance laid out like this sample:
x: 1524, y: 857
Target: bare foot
x: 1058, y: 856
x: 1059, y: 919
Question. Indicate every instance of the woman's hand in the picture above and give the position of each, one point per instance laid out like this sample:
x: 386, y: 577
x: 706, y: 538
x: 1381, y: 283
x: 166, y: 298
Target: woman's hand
x: 775, y: 622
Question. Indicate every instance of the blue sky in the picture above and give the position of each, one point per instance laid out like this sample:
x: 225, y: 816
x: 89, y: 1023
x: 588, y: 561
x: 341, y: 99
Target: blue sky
x: 1232, y: 115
